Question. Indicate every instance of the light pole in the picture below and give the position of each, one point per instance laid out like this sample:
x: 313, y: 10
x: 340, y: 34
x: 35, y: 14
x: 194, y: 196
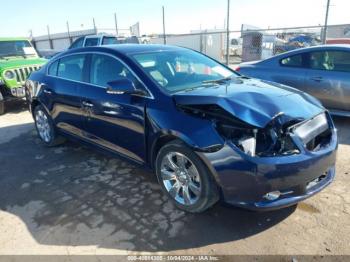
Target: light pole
x: 228, y: 33
x: 324, y: 40
x: 164, y: 37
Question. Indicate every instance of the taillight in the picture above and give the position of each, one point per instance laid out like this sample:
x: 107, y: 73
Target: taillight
x: 237, y: 69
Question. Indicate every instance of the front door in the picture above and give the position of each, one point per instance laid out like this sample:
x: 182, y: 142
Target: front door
x: 113, y: 121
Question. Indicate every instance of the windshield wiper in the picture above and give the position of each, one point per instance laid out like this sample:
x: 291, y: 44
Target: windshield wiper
x: 217, y: 81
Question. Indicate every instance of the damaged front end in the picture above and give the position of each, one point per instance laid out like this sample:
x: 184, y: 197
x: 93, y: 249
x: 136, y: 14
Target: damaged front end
x: 282, y: 136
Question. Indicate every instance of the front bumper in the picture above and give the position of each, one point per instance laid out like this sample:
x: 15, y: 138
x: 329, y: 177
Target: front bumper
x: 245, y: 180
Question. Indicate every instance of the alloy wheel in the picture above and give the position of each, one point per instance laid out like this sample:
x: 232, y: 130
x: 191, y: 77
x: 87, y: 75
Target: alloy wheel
x: 43, y: 126
x: 180, y: 178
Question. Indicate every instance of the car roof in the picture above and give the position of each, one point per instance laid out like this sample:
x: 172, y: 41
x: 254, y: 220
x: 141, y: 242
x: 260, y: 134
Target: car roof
x: 13, y: 39
x: 127, y: 48
x: 138, y: 48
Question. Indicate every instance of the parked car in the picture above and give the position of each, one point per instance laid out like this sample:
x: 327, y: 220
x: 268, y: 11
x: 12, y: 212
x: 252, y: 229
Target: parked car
x: 102, y: 39
x: 208, y: 132
x: 18, y: 59
x: 321, y: 71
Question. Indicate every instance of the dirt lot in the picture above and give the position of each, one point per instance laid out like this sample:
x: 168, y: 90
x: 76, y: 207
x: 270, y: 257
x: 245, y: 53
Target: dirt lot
x: 73, y: 200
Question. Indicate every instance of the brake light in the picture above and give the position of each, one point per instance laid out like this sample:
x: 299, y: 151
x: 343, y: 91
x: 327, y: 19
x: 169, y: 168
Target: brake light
x: 237, y: 69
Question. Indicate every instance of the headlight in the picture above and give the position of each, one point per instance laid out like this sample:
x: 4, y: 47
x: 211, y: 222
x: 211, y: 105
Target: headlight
x: 259, y: 142
x: 9, y: 75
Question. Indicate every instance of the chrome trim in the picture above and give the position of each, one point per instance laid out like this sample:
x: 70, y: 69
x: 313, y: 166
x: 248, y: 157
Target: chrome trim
x: 99, y: 53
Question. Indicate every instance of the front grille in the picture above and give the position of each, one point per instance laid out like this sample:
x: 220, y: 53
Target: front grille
x: 23, y: 73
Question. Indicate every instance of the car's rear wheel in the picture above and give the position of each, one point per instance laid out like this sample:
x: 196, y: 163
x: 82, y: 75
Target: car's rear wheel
x: 185, y: 179
x: 45, y: 128
x: 2, y: 105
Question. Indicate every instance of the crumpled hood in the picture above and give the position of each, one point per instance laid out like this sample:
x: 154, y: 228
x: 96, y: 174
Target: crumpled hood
x: 255, y: 102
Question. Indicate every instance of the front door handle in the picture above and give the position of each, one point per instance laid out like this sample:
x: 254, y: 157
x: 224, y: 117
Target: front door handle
x: 48, y: 92
x: 87, y: 104
x: 317, y: 78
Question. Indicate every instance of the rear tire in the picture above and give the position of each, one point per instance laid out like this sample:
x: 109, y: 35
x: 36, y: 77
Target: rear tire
x: 45, y: 127
x: 185, y: 179
x: 2, y: 105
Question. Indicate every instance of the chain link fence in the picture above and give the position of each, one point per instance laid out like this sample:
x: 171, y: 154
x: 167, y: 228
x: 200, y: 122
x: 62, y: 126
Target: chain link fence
x: 250, y: 44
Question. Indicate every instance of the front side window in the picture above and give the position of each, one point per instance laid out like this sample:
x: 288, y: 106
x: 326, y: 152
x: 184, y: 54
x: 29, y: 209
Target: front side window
x: 330, y: 61
x: 91, y: 42
x: 71, y: 67
x: 175, y: 71
x: 105, y: 69
x: 293, y: 61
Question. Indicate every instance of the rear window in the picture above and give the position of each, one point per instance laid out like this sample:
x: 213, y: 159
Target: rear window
x: 53, y: 69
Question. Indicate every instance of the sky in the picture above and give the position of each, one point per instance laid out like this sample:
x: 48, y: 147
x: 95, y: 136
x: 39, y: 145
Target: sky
x: 181, y: 16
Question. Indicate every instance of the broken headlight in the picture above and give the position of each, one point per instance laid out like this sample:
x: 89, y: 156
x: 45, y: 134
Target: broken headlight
x: 260, y: 142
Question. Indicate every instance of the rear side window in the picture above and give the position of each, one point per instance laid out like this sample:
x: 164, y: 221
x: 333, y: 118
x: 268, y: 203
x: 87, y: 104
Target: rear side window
x: 330, y: 61
x: 91, y: 42
x: 71, y: 67
x: 53, y: 69
x: 293, y: 61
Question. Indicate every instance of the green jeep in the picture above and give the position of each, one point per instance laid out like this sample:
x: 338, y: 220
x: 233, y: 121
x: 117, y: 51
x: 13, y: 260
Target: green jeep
x: 18, y: 59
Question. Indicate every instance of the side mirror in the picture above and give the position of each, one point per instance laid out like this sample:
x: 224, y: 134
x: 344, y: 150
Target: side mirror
x: 120, y: 86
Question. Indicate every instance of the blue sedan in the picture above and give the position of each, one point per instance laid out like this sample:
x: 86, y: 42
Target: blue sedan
x: 322, y: 71
x: 207, y: 132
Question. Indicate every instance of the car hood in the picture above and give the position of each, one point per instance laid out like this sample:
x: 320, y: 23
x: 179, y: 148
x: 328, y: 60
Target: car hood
x: 255, y: 102
x: 20, y: 62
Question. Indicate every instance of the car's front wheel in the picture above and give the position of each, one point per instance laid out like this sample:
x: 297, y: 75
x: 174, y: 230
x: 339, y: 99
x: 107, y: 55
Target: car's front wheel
x: 2, y: 105
x: 185, y: 179
x: 45, y: 128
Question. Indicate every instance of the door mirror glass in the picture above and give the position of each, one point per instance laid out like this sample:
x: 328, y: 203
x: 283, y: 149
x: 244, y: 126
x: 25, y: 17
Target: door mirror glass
x: 120, y: 86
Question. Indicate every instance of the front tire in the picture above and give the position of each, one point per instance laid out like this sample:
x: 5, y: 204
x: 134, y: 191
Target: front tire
x: 2, y: 105
x: 45, y: 127
x: 185, y: 179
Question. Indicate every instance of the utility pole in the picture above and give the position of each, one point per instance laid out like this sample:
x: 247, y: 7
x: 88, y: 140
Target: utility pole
x: 324, y: 40
x: 94, y: 23
x: 164, y: 36
x: 228, y: 33
x: 116, y: 24
x: 68, y: 31
x: 49, y: 36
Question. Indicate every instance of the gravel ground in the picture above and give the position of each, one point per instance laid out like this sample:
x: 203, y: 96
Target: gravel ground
x: 74, y: 200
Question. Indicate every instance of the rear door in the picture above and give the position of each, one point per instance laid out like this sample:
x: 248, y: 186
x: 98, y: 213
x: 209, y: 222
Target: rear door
x: 290, y: 71
x: 61, y: 92
x: 328, y: 78
x: 115, y: 122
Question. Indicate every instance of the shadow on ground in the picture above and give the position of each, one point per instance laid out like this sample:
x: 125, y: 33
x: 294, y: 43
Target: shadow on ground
x: 71, y: 195
x: 343, y: 126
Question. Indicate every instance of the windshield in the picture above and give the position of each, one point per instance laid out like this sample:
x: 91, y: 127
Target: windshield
x: 16, y: 48
x: 180, y: 70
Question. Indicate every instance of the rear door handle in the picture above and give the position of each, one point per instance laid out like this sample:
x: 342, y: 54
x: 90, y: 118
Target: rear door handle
x: 317, y: 78
x: 87, y: 104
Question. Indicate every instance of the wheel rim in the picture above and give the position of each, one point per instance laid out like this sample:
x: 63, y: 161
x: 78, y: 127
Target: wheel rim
x: 180, y: 178
x: 43, y: 126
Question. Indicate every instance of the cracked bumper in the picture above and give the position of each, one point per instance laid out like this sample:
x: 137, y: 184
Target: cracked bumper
x: 244, y: 181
